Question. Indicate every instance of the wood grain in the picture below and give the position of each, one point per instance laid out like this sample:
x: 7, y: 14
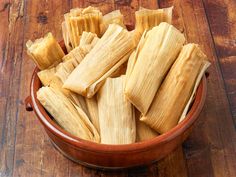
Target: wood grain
x: 25, y: 149
x: 222, y: 20
x: 11, y: 51
x: 212, y: 142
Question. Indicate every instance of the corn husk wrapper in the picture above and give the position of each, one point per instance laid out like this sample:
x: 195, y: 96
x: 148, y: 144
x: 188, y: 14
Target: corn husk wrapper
x: 77, y: 54
x: 87, y: 38
x: 92, y: 107
x: 66, y: 37
x: 146, y: 19
x: 143, y: 131
x: 206, y: 64
x: 70, y: 61
x: 174, y: 93
x: 157, y: 53
x: 46, y: 75
x: 115, y: 71
x: 94, y: 41
x: 116, y: 114
x: 110, y: 18
x: 111, y: 51
x: 62, y: 73
x: 133, y: 57
x: 66, y: 114
x: 64, y: 69
x: 79, y: 20
x: 45, y: 52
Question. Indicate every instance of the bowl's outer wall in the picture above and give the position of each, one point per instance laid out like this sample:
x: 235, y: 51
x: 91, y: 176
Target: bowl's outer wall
x: 118, y: 160
x: 117, y: 156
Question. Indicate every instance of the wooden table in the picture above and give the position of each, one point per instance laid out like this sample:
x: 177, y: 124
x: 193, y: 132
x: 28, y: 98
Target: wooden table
x: 210, y: 151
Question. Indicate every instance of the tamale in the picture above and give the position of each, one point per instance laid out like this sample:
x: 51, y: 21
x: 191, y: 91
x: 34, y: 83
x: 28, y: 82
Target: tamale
x: 92, y: 107
x: 111, y: 52
x: 71, y: 60
x: 143, y: 131
x: 146, y: 19
x: 56, y: 83
x: 116, y: 114
x: 175, y: 91
x: 87, y: 42
x: 87, y: 38
x: 133, y: 57
x: 159, y: 50
x: 77, y: 54
x: 94, y: 41
x: 112, y: 17
x: 56, y: 76
x: 79, y: 20
x: 69, y: 117
x: 206, y: 64
x: 66, y: 37
x: 114, y: 71
x: 63, y: 71
x: 46, y: 75
x: 45, y: 52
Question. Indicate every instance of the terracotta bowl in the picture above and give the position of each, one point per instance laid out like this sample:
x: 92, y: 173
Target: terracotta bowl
x: 114, y: 156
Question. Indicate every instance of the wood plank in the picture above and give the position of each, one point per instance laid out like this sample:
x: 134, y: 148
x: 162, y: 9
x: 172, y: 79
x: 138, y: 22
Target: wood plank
x: 173, y: 165
x: 34, y: 153
x: 4, y: 6
x: 222, y: 20
x: 12, y: 30
x: 209, y: 150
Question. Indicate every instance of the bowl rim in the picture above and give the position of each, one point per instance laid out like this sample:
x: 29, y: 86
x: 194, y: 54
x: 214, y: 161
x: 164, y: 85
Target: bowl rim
x: 85, y: 145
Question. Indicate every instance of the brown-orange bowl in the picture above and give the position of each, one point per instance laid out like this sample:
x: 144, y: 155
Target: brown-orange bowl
x: 115, y: 156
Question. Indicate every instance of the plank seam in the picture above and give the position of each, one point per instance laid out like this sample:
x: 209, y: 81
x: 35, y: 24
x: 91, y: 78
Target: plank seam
x: 219, y: 66
x: 19, y: 86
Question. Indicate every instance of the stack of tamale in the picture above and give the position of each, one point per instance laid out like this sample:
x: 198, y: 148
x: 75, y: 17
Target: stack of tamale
x: 115, y: 86
x: 158, y: 50
x: 111, y: 51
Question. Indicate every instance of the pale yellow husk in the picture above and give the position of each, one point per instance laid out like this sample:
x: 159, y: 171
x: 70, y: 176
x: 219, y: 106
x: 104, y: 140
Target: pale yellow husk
x: 143, y: 131
x: 115, y: 71
x: 206, y: 64
x: 174, y: 93
x: 66, y: 37
x: 68, y: 116
x: 57, y: 76
x: 158, y: 51
x: 92, y: 107
x: 116, y: 114
x: 46, y: 75
x: 87, y: 42
x: 146, y: 19
x: 110, y: 52
x: 70, y: 61
x: 45, y: 52
x: 78, y: 53
x: 133, y: 57
x: 87, y: 38
x: 63, y: 71
x: 112, y: 17
x: 79, y: 20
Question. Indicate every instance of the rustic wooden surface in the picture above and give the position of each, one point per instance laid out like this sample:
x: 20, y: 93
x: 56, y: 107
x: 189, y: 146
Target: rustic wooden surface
x: 210, y: 151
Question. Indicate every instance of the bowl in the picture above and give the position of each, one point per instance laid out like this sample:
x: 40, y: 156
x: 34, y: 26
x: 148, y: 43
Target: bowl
x: 114, y: 156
